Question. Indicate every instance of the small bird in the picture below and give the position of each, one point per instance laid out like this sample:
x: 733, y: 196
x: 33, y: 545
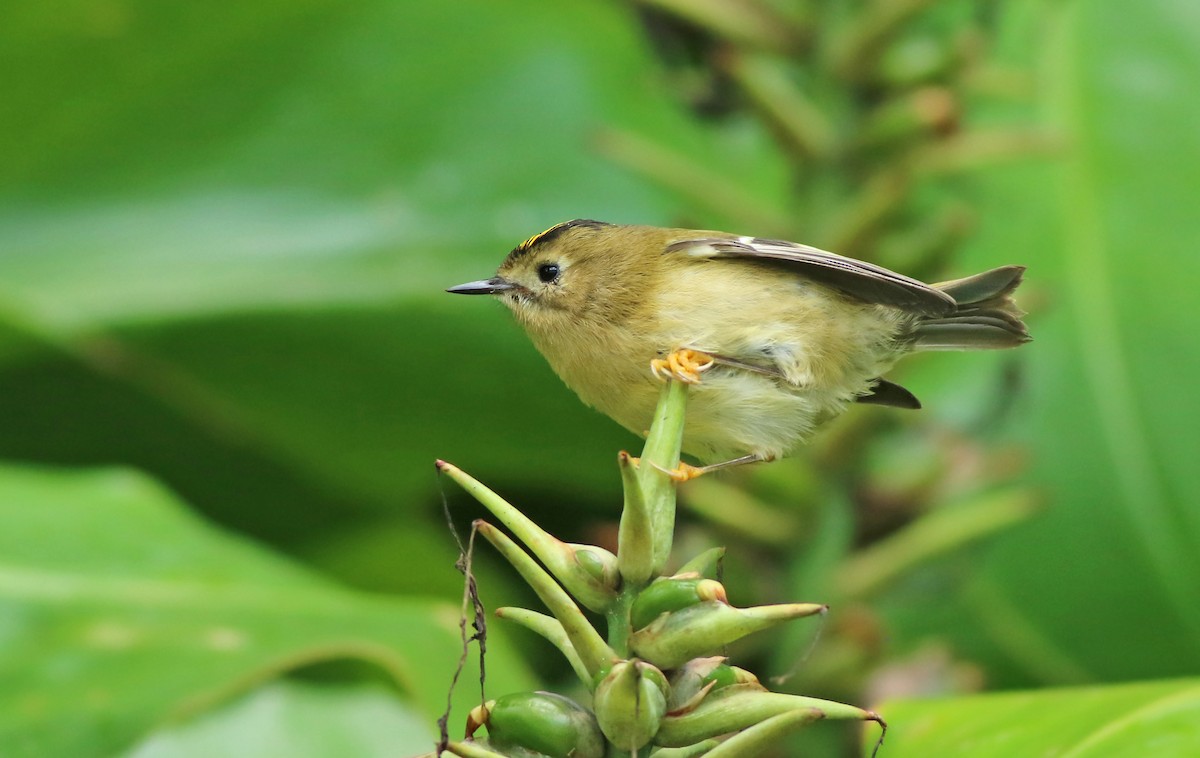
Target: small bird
x: 784, y: 335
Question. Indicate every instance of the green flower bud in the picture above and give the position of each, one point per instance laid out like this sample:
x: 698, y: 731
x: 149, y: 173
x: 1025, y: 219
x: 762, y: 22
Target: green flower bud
x: 543, y: 722
x: 672, y: 594
x: 630, y: 703
x: 593, y: 652
x: 550, y: 628
x: 597, y: 563
x: 675, y: 638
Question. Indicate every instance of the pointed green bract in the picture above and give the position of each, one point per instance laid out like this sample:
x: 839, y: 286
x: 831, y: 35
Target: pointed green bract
x: 549, y: 628
x: 705, y: 628
x: 561, y: 559
x: 588, y: 643
x: 741, y: 706
x: 691, y: 751
x: 707, y: 564
x: 754, y: 741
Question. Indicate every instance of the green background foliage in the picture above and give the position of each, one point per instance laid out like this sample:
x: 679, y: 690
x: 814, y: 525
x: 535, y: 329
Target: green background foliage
x: 224, y: 231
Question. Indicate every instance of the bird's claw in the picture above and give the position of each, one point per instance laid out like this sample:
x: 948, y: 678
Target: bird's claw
x: 683, y: 365
x: 684, y: 472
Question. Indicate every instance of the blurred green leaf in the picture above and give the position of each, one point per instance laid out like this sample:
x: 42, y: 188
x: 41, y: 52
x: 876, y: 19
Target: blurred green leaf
x: 298, y: 720
x: 1161, y: 719
x: 1112, y: 436
x: 1101, y: 397
x: 120, y: 611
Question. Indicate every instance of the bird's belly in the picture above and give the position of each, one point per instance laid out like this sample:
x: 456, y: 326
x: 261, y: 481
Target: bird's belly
x: 735, y: 413
x: 732, y: 413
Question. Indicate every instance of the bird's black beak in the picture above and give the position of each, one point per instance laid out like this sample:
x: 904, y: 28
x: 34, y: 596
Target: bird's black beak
x: 493, y: 286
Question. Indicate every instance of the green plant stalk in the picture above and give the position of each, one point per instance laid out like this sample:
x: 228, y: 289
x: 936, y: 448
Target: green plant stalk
x: 619, y: 628
x: 635, y: 541
x: 660, y: 455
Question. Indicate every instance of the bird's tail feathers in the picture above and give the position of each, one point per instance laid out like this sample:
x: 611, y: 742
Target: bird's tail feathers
x: 986, y: 317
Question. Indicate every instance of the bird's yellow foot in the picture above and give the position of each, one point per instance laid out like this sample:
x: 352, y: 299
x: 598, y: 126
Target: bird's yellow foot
x: 683, y: 365
x: 684, y: 472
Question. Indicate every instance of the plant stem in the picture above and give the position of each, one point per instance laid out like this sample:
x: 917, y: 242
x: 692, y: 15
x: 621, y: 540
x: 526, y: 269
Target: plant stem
x: 660, y: 455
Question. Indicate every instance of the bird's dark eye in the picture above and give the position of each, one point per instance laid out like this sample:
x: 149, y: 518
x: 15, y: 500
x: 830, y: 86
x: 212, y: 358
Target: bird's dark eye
x: 548, y: 272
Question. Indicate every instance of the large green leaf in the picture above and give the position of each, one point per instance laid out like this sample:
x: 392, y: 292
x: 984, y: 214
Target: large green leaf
x: 1160, y: 719
x: 120, y: 611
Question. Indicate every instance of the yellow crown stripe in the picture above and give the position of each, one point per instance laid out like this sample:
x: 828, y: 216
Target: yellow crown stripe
x: 533, y: 240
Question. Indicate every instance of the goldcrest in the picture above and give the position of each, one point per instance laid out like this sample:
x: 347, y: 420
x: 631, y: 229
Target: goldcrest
x: 777, y: 337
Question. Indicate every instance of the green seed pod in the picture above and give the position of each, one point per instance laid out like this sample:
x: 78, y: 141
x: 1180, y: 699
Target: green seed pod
x: 630, y: 703
x: 598, y: 563
x: 543, y: 722
x: 672, y: 594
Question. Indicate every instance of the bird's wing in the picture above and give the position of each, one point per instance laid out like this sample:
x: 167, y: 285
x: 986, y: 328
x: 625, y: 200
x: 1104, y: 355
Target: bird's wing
x: 861, y: 280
